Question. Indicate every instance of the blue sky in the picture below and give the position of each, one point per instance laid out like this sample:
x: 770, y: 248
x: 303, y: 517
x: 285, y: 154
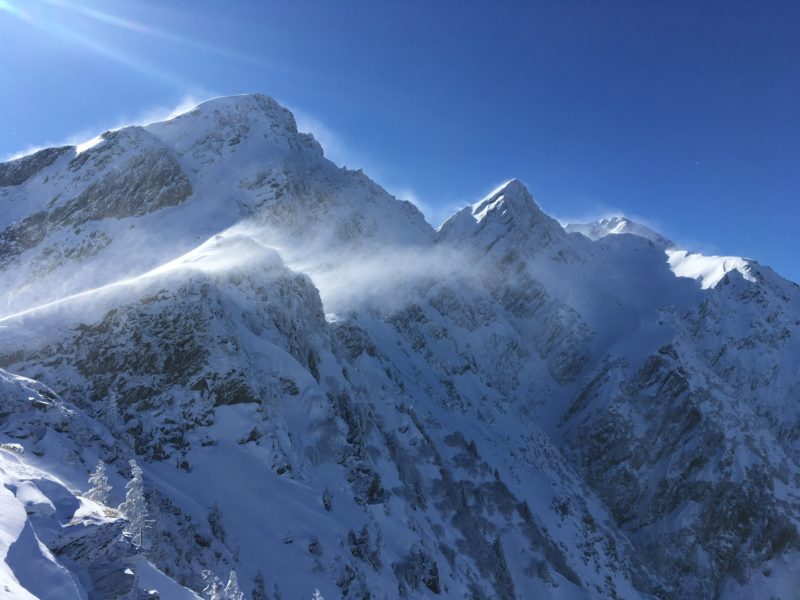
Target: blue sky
x: 685, y: 115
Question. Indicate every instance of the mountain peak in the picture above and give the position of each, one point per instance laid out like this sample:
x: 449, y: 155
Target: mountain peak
x: 228, y: 121
x: 512, y: 194
x: 709, y: 270
x: 253, y: 102
x: 616, y: 225
x: 209, y: 295
x: 508, y: 209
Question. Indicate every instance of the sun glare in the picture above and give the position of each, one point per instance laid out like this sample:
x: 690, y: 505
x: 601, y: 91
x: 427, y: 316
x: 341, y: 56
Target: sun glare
x: 53, y: 27
x: 106, y: 18
x: 6, y: 6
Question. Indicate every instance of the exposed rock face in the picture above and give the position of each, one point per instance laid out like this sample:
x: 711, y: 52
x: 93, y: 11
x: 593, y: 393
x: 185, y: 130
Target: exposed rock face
x: 327, y: 393
x: 628, y: 453
x: 129, y: 174
x: 145, y: 183
x: 17, y: 172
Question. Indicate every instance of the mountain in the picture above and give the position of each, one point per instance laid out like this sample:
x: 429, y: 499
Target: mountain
x: 709, y: 270
x: 615, y: 226
x: 324, y: 392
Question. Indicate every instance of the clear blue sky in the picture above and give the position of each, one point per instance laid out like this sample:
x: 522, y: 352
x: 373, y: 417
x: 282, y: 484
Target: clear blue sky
x: 683, y: 114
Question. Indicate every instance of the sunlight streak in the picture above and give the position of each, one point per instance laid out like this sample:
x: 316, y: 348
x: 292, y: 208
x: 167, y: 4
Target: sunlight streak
x: 70, y: 35
x: 141, y: 28
x: 5, y: 5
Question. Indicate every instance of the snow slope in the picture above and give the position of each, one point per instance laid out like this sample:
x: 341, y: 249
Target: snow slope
x: 709, y: 270
x: 55, y: 544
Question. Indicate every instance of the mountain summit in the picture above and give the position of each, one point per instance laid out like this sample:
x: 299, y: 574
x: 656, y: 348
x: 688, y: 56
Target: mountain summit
x: 317, y: 390
x: 615, y: 226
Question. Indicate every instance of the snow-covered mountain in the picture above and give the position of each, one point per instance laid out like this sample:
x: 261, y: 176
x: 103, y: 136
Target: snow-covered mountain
x: 709, y: 270
x: 615, y: 226
x: 326, y: 393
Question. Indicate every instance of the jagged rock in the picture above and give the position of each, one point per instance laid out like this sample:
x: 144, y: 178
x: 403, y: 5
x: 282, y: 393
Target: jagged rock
x: 17, y: 172
x: 111, y: 580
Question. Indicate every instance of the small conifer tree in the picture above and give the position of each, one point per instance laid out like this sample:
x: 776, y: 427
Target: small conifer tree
x: 98, y: 481
x: 232, y: 591
x: 135, y: 506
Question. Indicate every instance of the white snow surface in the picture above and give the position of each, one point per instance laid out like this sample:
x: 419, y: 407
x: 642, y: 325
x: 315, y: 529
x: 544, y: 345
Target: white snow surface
x: 615, y: 226
x: 708, y: 270
x: 40, y: 512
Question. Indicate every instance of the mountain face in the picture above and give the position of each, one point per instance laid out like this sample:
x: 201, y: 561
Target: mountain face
x: 324, y: 392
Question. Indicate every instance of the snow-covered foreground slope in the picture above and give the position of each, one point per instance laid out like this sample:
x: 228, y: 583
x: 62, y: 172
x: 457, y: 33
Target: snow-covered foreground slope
x: 326, y: 393
x: 54, y: 543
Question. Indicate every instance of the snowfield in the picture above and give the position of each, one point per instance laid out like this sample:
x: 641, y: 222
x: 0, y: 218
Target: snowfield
x: 325, y: 393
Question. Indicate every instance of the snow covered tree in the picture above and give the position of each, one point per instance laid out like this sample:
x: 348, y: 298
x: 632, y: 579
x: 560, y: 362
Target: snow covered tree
x: 110, y: 416
x: 232, y: 591
x: 216, y: 590
x: 215, y: 522
x: 317, y: 596
x: 98, y: 481
x: 259, y: 587
x: 375, y: 493
x: 213, y: 589
x: 135, y: 506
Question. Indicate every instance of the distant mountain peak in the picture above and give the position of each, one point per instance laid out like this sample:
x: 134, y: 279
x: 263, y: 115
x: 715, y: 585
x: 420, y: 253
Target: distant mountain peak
x: 708, y: 270
x: 616, y: 225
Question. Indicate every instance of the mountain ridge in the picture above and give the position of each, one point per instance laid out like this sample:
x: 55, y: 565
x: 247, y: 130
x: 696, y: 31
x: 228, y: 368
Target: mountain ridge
x: 324, y: 391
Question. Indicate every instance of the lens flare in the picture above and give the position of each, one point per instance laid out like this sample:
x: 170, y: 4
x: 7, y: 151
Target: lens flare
x: 56, y: 28
x: 5, y: 5
x: 73, y: 36
x: 167, y: 36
